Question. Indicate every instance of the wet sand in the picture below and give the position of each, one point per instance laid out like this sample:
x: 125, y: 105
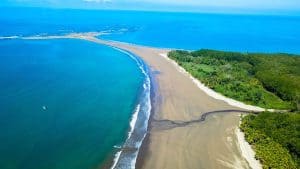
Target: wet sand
x: 200, y: 144
x: 180, y: 136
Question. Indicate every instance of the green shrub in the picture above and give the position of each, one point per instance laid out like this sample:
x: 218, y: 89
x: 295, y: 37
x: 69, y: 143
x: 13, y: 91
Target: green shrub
x: 275, y: 137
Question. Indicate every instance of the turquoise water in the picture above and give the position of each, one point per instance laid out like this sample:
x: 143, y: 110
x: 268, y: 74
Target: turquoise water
x: 69, y: 104
x: 64, y: 103
x: 252, y: 33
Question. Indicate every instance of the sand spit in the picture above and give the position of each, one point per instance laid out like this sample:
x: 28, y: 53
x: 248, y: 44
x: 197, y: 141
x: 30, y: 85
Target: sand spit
x: 212, y: 143
x: 91, y: 36
x: 209, y: 144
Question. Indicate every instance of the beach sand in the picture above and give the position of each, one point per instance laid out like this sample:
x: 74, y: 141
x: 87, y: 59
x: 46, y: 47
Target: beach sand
x: 211, y: 143
x: 178, y: 138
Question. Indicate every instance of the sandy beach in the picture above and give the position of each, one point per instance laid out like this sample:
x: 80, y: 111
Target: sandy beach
x: 175, y: 140
x: 191, y: 127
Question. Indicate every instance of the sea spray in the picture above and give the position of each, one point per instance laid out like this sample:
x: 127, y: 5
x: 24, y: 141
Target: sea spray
x: 126, y: 157
x: 134, y: 119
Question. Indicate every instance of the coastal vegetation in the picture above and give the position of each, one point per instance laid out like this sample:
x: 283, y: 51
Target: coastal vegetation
x: 265, y: 80
x: 275, y: 138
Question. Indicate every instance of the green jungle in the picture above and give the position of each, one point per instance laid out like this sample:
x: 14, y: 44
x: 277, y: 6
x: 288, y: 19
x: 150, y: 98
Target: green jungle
x: 266, y: 80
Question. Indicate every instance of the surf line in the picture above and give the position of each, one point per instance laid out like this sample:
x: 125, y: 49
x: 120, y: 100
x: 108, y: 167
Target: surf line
x: 130, y: 148
x: 127, y: 155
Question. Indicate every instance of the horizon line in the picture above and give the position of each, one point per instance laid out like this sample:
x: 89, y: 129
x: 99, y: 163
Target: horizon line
x: 211, y: 10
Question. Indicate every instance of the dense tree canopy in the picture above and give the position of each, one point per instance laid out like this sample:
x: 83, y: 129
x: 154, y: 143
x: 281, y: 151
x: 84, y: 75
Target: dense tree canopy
x: 266, y: 80
x: 276, y: 138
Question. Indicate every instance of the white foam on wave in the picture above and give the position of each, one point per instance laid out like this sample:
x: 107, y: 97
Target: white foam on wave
x: 134, y: 58
x: 43, y: 36
x: 116, y: 159
x: 143, y: 106
x: 67, y: 34
x: 134, y: 119
x: 117, y: 146
x: 9, y: 37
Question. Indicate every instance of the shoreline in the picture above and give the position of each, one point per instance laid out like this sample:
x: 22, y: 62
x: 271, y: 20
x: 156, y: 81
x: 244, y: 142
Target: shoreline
x: 159, y: 142
x: 96, y: 38
x: 215, y: 94
x: 143, y: 154
x: 155, y: 106
x: 126, y: 156
x: 247, y: 151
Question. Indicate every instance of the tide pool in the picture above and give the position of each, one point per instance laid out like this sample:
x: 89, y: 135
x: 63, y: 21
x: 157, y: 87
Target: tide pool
x: 64, y: 104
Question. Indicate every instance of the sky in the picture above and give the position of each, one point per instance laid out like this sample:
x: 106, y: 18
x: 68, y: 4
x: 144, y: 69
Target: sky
x: 169, y: 5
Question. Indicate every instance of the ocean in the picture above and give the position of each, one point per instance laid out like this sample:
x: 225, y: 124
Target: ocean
x: 72, y: 104
x: 230, y: 32
x: 64, y: 103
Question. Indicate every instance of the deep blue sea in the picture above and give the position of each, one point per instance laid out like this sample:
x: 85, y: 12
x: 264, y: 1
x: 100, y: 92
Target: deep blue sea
x: 247, y: 33
x: 72, y: 104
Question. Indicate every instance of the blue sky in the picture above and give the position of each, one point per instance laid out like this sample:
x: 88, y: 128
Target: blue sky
x: 181, y: 5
